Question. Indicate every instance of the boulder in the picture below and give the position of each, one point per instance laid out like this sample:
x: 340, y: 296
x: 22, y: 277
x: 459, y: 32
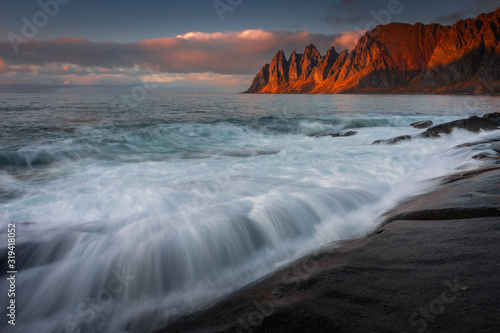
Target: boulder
x: 333, y: 134
x: 393, y: 140
x: 495, y: 116
x: 486, y: 155
x: 422, y: 124
x: 473, y: 124
x: 342, y: 134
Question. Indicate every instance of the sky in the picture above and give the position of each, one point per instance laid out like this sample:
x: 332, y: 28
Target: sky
x: 191, y: 46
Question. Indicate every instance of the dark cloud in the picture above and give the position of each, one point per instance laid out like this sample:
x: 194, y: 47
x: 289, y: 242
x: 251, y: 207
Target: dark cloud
x: 353, y: 11
x: 360, y: 13
x: 454, y: 17
x: 471, y: 9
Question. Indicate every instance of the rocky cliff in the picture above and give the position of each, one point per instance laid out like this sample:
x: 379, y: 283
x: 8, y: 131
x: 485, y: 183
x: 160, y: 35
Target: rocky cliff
x: 396, y: 58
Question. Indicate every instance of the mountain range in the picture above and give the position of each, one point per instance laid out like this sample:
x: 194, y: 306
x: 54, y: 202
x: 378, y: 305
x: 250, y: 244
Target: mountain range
x: 396, y: 58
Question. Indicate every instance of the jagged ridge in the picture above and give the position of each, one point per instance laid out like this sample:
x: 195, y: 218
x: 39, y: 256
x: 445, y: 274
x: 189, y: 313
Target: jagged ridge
x: 396, y: 58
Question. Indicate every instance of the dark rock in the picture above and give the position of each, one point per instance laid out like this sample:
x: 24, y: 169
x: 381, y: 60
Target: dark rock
x: 473, y: 124
x: 295, y: 70
x: 495, y: 146
x: 26, y: 224
x: 261, y: 80
x: 422, y: 124
x: 494, y: 143
x: 467, y: 194
x: 488, y: 145
x: 278, y: 70
x: 393, y: 140
x: 472, y: 144
x: 468, y: 174
x: 342, y: 134
x: 250, y: 153
x: 489, y: 156
x: 494, y: 115
x: 334, y: 134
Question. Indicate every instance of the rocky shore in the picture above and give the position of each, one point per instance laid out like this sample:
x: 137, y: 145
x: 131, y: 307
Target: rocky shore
x: 433, y: 265
x: 395, y: 58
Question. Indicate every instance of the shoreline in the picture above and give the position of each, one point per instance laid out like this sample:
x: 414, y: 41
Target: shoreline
x: 433, y: 264
x: 416, y: 93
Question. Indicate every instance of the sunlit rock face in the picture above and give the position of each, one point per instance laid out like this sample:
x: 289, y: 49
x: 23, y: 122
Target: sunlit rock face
x: 396, y: 58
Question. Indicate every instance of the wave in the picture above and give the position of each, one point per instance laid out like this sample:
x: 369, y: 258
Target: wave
x: 176, y: 246
x: 175, y: 140
x: 173, y: 253
x: 128, y: 224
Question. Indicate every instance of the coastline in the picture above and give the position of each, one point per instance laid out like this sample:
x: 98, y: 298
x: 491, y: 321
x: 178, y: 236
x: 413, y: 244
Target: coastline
x: 436, y: 59
x: 416, y: 93
x: 433, y: 264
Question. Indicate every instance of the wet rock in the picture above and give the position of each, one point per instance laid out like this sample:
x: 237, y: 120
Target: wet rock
x: 495, y: 146
x: 393, y: 140
x: 27, y: 224
x: 494, y: 143
x: 495, y: 116
x: 485, y: 155
x: 422, y: 124
x: 333, y: 134
x: 473, y: 124
x: 342, y: 134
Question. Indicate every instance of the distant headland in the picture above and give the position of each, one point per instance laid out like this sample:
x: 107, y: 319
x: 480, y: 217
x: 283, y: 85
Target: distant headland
x: 396, y: 58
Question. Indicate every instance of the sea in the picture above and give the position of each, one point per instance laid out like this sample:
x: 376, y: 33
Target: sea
x: 128, y: 216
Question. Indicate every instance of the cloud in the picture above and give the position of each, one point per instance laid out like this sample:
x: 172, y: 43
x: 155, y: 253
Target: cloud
x: 348, y: 40
x: 353, y: 11
x: 362, y: 13
x: 25, y: 77
x: 3, y: 67
x: 228, y: 59
x: 243, y: 52
x: 474, y: 8
x: 454, y: 17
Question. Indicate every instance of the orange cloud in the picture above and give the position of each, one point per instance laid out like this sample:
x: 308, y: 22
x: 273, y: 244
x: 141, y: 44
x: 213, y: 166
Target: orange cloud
x: 192, y: 60
x: 257, y: 40
x: 250, y: 34
x: 76, y: 76
x: 3, y: 66
x: 202, y: 36
x: 238, y: 52
x: 104, y: 70
x: 348, y: 40
x: 257, y: 34
x: 93, y: 79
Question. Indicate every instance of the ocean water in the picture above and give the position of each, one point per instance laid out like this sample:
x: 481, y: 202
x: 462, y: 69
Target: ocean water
x: 130, y: 216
